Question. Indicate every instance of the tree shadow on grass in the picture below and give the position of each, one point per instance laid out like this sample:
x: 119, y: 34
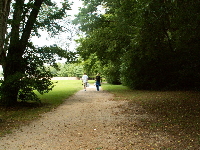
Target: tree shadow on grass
x: 20, y: 114
x: 174, y: 112
x: 177, y: 113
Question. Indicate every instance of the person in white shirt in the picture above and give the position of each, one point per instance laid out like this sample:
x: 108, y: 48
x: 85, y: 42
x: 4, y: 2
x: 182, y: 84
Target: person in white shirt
x: 84, y: 81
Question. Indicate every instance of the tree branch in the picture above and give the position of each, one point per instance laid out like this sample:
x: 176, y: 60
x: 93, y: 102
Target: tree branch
x: 30, y: 24
x: 14, y: 40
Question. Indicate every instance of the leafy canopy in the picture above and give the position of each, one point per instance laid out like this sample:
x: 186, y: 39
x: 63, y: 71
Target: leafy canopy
x: 144, y: 44
x: 23, y: 63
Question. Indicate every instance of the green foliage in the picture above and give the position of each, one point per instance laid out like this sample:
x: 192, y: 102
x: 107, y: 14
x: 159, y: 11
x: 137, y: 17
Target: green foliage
x: 49, y: 17
x: 23, y: 64
x: 92, y: 65
x: 148, y: 44
x: 111, y: 73
x: 36, y: 75
x: 102, y: 43
x: 27, y: 94
x: 165, y: 63
x: 66, y: 70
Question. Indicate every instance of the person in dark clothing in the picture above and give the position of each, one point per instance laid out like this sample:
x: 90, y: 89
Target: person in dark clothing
x: 97, y: 79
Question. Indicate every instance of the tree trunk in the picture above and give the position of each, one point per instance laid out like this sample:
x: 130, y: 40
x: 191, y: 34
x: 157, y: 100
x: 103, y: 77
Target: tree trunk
x: 4, y: 12
x: 13, y: 73
x: 14, y: 64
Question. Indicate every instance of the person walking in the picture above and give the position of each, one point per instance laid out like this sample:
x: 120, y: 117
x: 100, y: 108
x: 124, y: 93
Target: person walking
x: 97, y: 79
x: 84, y: 81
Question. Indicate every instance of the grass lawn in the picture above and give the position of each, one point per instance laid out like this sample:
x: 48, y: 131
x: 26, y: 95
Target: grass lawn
x: 24, y: 113
x: 174, y: 112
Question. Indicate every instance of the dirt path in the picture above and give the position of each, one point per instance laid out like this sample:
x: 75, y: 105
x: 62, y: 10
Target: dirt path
x: 87, y: 120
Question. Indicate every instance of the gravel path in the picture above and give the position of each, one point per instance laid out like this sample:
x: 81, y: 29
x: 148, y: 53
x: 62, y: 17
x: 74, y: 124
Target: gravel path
x: 88, y: 120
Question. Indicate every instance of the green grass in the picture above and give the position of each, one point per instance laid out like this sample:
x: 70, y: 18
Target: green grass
x: 175, y: 112
x: 62, y: 90
x: 24, y: 113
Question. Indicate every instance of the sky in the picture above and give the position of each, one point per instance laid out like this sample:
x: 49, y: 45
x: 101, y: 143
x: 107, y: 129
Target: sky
x: 63, y: 39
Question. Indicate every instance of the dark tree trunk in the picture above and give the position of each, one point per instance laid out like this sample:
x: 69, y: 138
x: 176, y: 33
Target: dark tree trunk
x: 14, y: 65
x: 4, y: 11
x: 13, y: 72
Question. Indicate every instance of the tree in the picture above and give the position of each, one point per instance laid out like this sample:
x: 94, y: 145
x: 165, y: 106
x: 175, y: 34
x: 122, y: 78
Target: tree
x: 164, y: 57
x: 23, y: 63
x: 103, y: 38
x: 4, y: 11
x: 150, y: 44
x: 67, y: 69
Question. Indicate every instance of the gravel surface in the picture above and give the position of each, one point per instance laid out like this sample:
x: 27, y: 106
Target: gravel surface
x: 87, y: 120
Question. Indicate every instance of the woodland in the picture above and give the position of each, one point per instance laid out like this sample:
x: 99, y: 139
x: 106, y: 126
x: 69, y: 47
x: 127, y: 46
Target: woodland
x: 142, y: 44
